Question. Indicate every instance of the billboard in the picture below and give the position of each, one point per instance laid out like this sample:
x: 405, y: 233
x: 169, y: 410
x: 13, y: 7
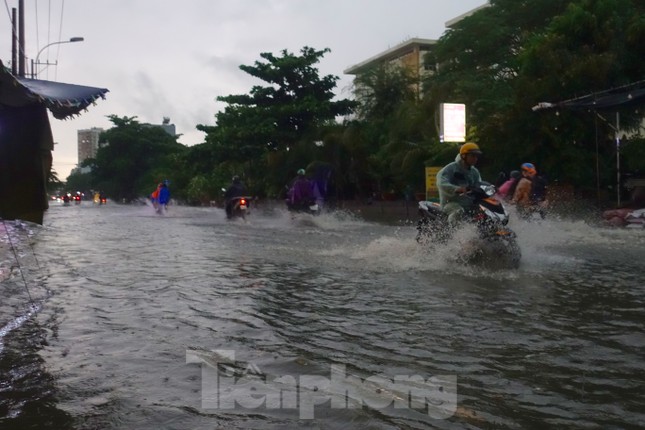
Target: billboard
x: 452, y: 122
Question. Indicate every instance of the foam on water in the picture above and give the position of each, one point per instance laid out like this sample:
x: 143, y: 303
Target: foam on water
x: 14, y: 239
x: 16, y: 323
x: 546, y: 244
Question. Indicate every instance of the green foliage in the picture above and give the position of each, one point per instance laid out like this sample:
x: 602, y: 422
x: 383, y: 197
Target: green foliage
x: 500, y: 61
x: 199, y: 190
x: 393, y: 133
x: 53, y: 182
x: 504, y: 59
x: 262, y: 135
x: 79, y: 182
x: 633, y: 155
x: 134, y: 158
x: 294, y: 103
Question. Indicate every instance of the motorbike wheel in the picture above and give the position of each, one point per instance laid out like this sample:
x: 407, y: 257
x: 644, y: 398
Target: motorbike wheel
x: 501, y: 253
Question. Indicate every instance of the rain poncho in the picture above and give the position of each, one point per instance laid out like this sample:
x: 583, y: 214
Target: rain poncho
x: 164, y: 195
x: 453, y: 176
x: 301, y: 191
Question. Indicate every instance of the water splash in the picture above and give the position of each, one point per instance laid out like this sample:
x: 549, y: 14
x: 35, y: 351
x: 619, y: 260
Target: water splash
x: 17, y: 323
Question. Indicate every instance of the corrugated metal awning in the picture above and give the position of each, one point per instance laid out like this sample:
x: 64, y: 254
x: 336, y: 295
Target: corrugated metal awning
x: 63, y: 100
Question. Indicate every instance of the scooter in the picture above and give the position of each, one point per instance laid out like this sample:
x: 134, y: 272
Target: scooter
x: 495, y: 243
x: 310, y: 207
x: 239, y: 207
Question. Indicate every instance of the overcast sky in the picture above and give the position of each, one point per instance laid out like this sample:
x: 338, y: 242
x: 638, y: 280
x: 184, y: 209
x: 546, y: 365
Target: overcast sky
x: 164, y: 58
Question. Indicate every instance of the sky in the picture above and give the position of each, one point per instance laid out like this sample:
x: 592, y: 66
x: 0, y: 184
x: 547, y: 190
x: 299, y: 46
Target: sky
x: 165, y: 58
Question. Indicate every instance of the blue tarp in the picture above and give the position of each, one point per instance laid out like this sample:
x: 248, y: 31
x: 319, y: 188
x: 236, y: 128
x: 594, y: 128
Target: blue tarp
x: 63, y: 100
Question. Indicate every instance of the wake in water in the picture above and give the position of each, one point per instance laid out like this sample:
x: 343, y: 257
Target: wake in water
x: 545, y: 244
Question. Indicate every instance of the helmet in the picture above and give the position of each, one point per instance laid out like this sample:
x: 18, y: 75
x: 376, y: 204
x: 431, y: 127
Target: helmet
x: 515, y: 174
x: 166, y: 182
x: 301, y: 172
x: 469, y: 148
x: 529, y: 168
x: 236, y: 179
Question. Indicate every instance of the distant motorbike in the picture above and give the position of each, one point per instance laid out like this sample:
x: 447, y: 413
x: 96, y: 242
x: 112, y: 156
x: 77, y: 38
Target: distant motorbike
x: 495, y: 244
x: 239, y: 207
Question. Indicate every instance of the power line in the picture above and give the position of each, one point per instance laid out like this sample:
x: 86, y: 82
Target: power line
x: 37, y: 29
x: 60, y: 37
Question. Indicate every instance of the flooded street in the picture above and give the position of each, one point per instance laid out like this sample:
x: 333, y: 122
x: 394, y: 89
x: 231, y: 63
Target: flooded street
x: 120, y: 318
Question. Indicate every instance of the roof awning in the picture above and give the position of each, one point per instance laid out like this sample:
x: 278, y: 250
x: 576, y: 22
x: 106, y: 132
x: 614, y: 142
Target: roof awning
x: 63, y: 100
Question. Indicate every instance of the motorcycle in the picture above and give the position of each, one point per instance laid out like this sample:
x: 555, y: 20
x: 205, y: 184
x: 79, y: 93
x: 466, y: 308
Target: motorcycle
x: 239, y: 207
x: 495, y: 243
x: 308, y: 207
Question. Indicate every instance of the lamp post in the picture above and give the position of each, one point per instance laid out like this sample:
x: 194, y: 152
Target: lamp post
x: 34, y: 64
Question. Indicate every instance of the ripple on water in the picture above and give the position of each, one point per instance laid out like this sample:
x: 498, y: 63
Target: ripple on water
x: 556, y: 343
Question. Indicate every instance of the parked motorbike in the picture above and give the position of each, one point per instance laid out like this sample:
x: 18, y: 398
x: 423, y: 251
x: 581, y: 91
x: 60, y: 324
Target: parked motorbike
x: 495, y: 243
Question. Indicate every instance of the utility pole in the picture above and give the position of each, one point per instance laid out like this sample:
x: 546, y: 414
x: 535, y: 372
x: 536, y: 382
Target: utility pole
x: 14, y: 42
x: 21, y: 40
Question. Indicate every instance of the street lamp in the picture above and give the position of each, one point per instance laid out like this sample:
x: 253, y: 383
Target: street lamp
x: 34, y: 73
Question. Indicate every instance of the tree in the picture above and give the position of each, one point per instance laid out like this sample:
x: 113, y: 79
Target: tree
x: 393, y: 133
x: 134, y: 158
x: 506, y: 58
x: 589, y: 47
x: 53, y: 182
x: 274, y: 118
x: 78, y: 181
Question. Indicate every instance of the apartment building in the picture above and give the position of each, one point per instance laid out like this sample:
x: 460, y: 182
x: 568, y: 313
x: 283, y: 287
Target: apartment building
x: 88, y: 143
x: 408, y: 54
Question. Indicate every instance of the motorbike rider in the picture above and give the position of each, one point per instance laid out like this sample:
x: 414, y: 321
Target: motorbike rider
x: 507, y: 189
x: 236, y: 189
x: 530, y: 193
x: 163, y: 197
x: 154, y: 197
x: 455, y: 178
x: 301, y: 193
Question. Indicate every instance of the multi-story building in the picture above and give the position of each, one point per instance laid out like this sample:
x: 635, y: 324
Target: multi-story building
x: 408, y: 54
x: 88, y: 143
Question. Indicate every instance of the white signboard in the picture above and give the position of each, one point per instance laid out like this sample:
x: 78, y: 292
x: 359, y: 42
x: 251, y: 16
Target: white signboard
x: 453, y: 122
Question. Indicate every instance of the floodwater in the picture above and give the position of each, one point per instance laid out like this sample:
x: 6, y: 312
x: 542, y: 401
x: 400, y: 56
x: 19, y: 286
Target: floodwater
x: 112, y: 317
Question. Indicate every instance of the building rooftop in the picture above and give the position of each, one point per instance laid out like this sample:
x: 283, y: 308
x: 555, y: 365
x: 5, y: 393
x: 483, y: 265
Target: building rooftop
x: 392, y: 53
x: 451, y: 23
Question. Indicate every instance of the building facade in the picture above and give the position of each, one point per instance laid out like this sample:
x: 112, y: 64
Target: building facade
x: 408, y: 55
x: 88, y: 143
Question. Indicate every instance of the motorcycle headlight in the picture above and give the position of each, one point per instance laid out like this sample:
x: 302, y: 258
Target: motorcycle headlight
x: 489, y: 190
